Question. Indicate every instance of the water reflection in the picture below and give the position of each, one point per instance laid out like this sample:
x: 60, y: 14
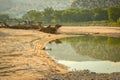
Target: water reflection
x: 99, y: 47
x: 96, y: 53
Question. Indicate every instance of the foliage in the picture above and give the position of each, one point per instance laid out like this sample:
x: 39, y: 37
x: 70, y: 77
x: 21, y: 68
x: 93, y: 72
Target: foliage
x: 114, y: 13
x: 118, y: 21
x: 75, y: 15
x: 33, y: 15
x: 4, y: 17
x: 58, y: 16
x: 48, y: 15
x: 88, y: 23
x: 100, y: 14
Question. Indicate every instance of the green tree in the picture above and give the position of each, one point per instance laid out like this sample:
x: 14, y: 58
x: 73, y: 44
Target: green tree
x: 100, y: 14
x: 86, y: 15
x: 69, y: 15
x: 58, y: 16
x: 77, y: 15
x: 114, y: 13
x: 48, y: 15
x: 33, y: 15
x: 118, y: 20
x: 4, y: 17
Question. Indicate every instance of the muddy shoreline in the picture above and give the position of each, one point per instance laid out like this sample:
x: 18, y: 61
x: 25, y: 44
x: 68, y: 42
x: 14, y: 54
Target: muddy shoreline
x: 22, y: 54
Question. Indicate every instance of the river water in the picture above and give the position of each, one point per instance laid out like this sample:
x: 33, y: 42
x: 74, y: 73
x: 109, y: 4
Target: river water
x: 95, y: 53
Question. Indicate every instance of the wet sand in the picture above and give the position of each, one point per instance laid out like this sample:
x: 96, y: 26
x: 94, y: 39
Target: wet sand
x: 22, y: 54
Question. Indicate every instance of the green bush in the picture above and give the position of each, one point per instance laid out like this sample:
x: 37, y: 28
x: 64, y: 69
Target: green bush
x: 118, y: 20
x: 114, y: 13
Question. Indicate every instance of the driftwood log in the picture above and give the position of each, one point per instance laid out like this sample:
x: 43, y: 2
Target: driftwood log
x: 31, y: 25
x: 24, y: 25
x: 49, y: 29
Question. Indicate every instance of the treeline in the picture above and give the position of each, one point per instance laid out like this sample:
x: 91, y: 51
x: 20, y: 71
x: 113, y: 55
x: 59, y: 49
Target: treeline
x: 71, y: 15
x: 4, y: 17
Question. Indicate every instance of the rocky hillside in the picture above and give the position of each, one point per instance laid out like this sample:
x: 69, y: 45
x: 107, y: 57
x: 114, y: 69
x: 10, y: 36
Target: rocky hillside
x: 95, y: 3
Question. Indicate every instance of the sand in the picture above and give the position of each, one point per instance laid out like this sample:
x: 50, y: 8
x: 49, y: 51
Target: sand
x: 94, y: 30
x: 22, y: 54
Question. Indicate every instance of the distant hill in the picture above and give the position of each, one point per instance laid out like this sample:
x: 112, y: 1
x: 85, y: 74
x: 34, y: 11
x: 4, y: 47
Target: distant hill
x: 95, y: 3
x: 19, y: 7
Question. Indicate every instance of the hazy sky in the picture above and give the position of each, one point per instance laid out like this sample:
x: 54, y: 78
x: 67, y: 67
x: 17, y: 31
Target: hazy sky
x: 19, y: 7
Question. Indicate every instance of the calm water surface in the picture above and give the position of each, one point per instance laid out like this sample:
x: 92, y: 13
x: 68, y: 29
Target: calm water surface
x: 95, y: 53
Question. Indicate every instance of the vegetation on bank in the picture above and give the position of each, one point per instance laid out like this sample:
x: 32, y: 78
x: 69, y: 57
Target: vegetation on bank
x: 93, y: 23
x: 73, y: 16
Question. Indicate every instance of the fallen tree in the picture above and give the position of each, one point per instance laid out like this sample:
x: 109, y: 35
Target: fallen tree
x: 21, y: 24
x: 30, y: 25
x: 49, y: 29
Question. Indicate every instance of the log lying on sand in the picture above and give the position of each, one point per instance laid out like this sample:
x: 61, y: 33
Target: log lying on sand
x: 38, y: 25
x: 21, y: 26
x: 49, y: 29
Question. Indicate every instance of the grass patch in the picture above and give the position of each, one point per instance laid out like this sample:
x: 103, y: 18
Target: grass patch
x: 89, y: 23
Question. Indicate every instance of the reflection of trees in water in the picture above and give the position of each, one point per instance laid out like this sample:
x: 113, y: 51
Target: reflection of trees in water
x: 104, y: 48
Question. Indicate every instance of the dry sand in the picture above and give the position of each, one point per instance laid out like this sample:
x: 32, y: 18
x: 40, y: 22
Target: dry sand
x: 94, y: 30
x: 22, y: 55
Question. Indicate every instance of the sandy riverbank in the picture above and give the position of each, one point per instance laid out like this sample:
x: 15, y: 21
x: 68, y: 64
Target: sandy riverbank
x: 99, y: 30
x: 22, y: 56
